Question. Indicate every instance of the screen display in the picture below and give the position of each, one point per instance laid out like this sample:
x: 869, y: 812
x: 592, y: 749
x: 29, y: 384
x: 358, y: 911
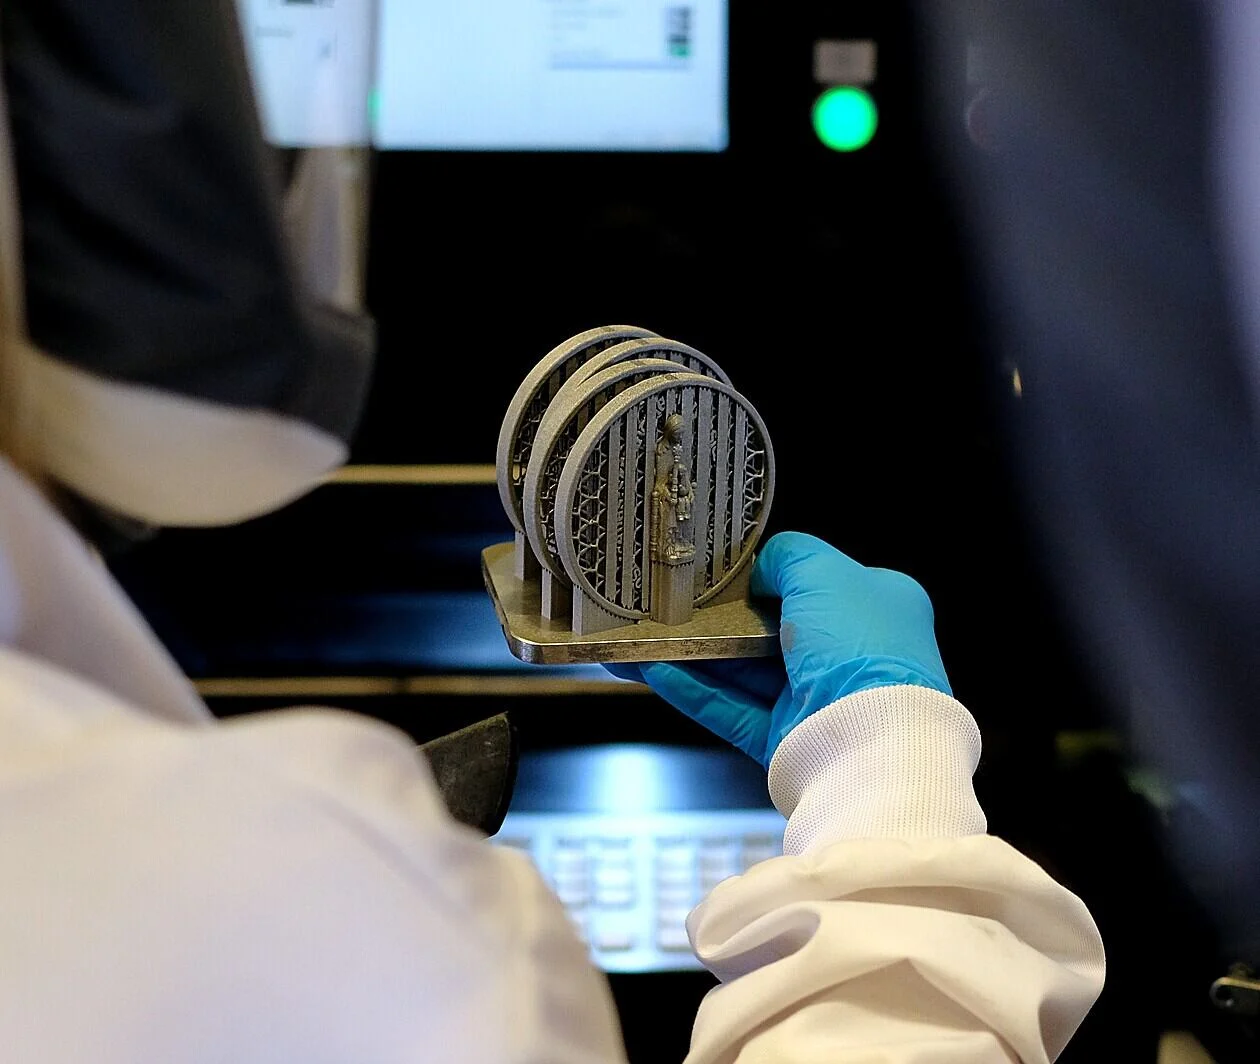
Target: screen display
x: 496, y: 75
x: 311, y: 63
x: 645, y: 75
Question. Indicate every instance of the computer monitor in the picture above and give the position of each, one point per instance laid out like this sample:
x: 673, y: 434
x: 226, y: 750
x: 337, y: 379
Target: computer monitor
x: 497, y: 75
x: 585, y: 75
x: 312, y: 64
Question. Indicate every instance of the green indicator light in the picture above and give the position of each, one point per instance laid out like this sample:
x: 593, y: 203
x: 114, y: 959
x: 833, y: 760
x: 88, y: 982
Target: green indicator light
x: 845, y: 118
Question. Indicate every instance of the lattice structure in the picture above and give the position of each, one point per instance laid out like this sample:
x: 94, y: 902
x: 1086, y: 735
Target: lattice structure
x: 590, y: 525
x: 647, y: 481
x: 534, y: 396
x: 599, y: 379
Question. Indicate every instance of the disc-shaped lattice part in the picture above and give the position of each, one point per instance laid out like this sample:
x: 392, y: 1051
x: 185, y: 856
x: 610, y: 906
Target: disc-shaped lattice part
x: 683, y: 356
x: 602, y: 498
x: 525, y: 411
x: 577, y: 401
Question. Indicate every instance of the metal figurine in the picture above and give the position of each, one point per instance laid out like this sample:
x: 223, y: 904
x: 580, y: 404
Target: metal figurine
x: 648, y: 484
x: 673, y: 547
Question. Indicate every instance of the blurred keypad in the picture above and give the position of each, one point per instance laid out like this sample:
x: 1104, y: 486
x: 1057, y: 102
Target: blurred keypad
x: 628, y: 882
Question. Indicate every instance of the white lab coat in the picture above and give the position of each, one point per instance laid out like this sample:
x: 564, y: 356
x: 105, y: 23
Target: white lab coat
x: 287, y: 887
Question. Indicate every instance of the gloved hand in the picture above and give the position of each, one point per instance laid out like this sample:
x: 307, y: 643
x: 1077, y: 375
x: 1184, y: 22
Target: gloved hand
x: 844, y: 628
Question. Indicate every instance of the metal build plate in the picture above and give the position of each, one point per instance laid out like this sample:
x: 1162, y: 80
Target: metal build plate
x: 738, y: 629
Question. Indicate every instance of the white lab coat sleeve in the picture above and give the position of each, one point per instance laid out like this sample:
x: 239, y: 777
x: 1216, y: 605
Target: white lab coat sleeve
x: 461, y: 951
x: 893, y: 930
x: 286, y: 887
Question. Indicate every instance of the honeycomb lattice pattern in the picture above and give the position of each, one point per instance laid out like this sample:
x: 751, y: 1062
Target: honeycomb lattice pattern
x: 596, y: 529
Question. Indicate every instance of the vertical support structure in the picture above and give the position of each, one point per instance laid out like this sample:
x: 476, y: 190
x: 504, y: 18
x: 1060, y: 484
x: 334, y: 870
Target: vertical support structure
x: 687, y: 407
x: 649, y: 478
x: 590, y: 617
x: 557, y: 597
x: 737, y: 488
x: 673, y: 592
x: 613, y: 511
x: 721, y: 490
x: 524, y: 565
x: 704, y: 459
x: 630, y: 503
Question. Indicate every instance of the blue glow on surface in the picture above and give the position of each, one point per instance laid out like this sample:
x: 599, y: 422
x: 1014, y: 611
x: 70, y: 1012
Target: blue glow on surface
x: 437, y: 631
x: 631, y: 778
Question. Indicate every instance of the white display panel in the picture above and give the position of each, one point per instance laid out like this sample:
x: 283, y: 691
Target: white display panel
x: 645, y: 75
x: 311, y: 62
x: 498, y: 75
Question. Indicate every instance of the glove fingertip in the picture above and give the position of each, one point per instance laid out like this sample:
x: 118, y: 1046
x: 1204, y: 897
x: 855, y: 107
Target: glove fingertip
x: 625, y: 670
x: 658, y: 671
x: 792, y: 562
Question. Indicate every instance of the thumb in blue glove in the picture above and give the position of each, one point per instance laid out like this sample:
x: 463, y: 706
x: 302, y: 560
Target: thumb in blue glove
x: 844, y: 628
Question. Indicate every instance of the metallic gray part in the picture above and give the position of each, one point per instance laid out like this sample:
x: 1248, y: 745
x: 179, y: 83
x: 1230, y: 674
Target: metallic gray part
x: 616, y: 496
x: 734, y: 590
x: 736, y: 515
x: 673, y: 591
x: 590, y: 617
x: 672, y: 537
x: 631, y: 526
x: 754, y: 508
x: 754, y: 484
x: 474, y: 770
x: 557, y: 597
x: 717, y: 557
x: 639, y: 488
x: 578, y: 399
x: 531, y: 400
x: 582, y: 535
x: 672, y: 545
x: 577, y: 542
x: 525, y: 565
x: 648, y: 449
x: 682, y: 355
x: 703, y: 480
x: 604, y: 355
x: 737, y: 629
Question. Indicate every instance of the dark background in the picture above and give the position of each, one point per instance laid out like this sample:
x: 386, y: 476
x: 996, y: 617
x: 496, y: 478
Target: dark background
x: 835, y: 290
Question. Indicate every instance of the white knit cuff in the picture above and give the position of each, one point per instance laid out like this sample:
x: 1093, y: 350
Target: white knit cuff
x: 889, y: 762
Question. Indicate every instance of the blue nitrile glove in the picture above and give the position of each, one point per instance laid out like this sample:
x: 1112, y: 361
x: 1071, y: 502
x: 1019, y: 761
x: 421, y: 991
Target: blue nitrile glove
x: 844, y: 628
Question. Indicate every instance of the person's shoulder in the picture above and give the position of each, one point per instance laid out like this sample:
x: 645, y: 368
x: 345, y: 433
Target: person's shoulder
x: 346, y: 775
x: 298, y: 736
x: 331, y: 761
x: 42, y: 703
x: 336, y: 758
